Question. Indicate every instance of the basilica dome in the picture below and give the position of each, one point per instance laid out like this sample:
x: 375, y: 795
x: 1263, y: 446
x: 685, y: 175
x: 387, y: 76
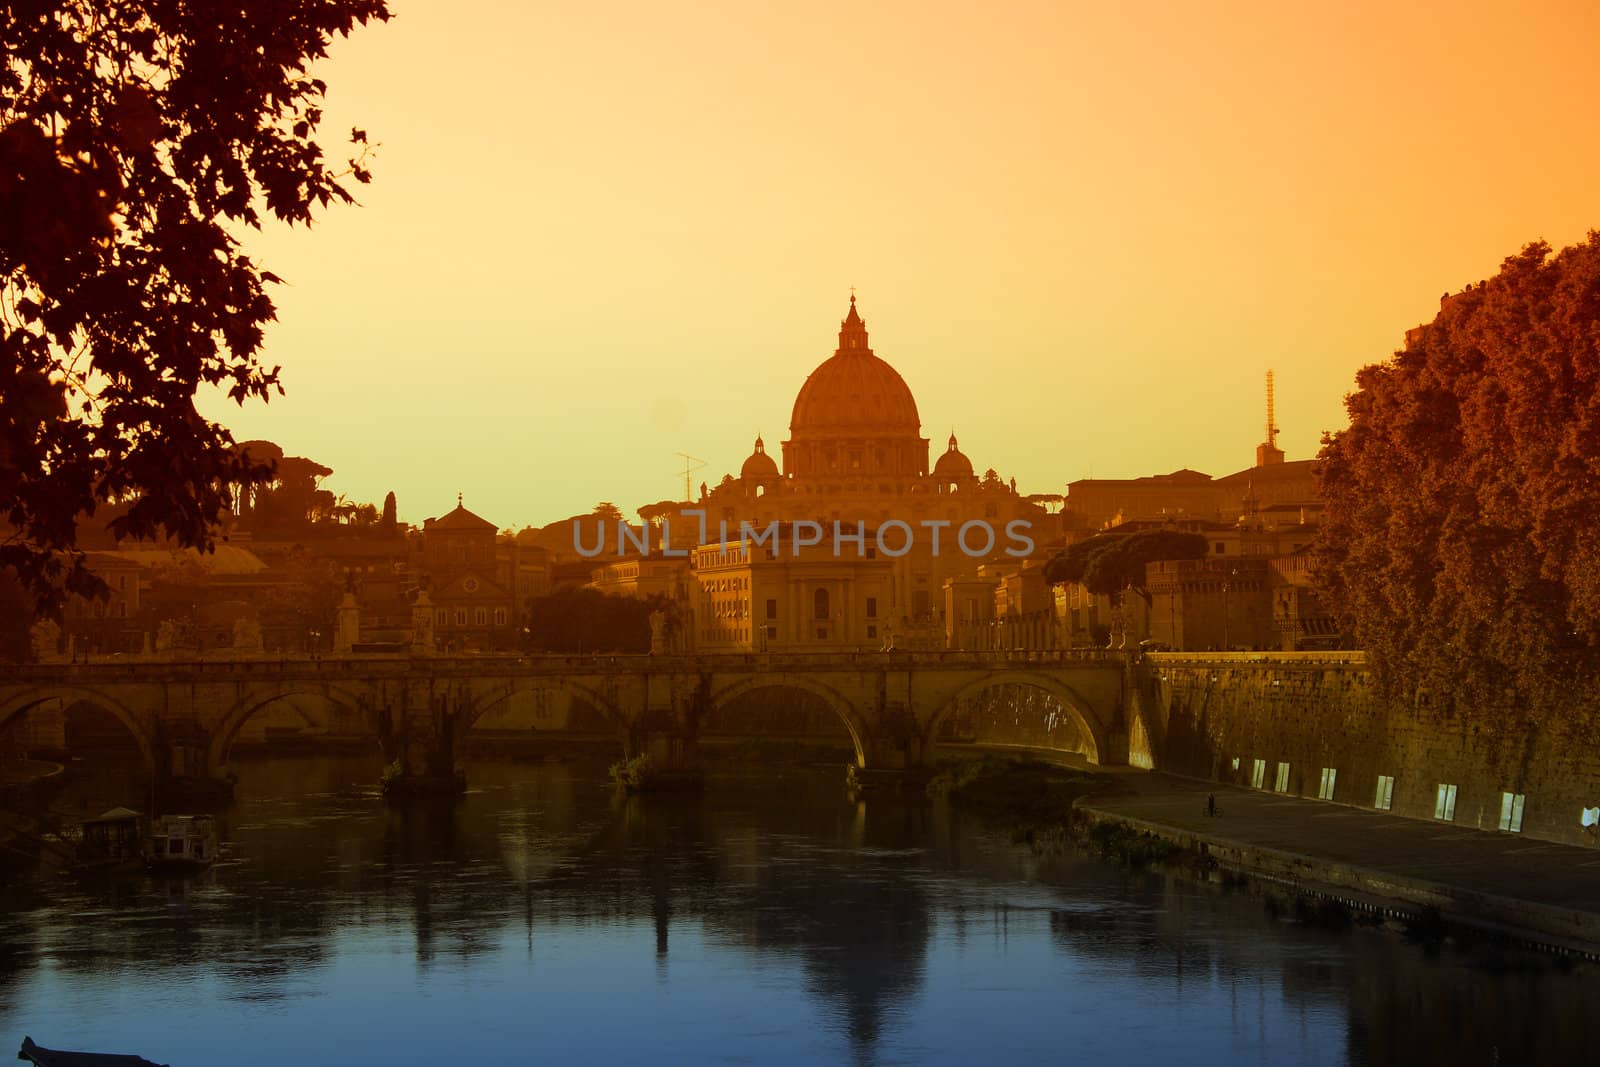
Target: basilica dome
x: 953, y: 466
x: 854, y: 393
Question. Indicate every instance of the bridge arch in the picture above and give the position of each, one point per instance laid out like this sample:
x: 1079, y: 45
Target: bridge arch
x: 498, y: 695
x: 1072, y: 703
x: 228, y: 727
x: 728, y: 693
x: 71, y: 694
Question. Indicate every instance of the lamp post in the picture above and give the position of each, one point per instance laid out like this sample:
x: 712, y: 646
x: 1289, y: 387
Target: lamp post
x: 1172, y: 617
x: 1227, y: 646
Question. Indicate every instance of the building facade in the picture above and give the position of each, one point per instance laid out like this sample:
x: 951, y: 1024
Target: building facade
x: 855, y: 461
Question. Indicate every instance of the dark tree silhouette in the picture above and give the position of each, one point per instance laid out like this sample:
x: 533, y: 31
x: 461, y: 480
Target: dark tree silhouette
x: 390, y: 519
x: 1111, y: 564
x: 136, y: 139
x: 1462, y: 504
x: 587, y: 620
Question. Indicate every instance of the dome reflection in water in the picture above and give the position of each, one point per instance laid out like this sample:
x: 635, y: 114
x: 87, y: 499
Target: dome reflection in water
x: 772, y: 918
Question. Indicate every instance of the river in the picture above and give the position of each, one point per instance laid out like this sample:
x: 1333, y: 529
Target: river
x: 771, y: 919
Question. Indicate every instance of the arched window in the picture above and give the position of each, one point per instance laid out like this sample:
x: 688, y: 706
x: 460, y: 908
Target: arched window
x: 819, y: 604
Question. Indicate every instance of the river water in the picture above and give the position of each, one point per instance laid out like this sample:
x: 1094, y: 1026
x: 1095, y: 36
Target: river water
x: 771, y: 919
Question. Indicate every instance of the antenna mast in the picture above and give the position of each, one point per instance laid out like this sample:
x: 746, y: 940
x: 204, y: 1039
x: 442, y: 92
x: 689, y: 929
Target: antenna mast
x: 690, y: 465
x: 1272, y: 424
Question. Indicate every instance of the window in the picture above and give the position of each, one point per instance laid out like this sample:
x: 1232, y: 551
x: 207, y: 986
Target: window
x: 499, y: 616
x: 822, y: 633
x: 1281, y: 783
x: 1383, y: 800
x: 1236, y: 763
x: 461, y: 616
x: 872, y: 607
x: 872, y: 631
x: 772, y: 607
x: 1325, y: 788
x: 1220, y: 548
x: 920, y: 603
x: 1258, y: 773
x: 772, y: 632
x: 480, y: 617
x: 1511, y: 812
x: 444, y: 617
x: 819, y: 606
x: 1444, y: 808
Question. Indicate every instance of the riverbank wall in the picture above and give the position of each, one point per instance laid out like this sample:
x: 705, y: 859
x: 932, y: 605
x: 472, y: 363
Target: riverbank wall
x: 1418, y: 902
x: 1310, y: 725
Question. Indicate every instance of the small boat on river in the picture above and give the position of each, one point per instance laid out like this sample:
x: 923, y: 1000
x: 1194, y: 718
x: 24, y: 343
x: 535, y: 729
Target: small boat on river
x: 113, y: 841
x: 182, y: 843
x: 118, y: 841
x: 49, y: 1057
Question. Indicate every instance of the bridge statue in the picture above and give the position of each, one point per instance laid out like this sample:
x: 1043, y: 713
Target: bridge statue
x: 347, y: 623
x: 422, y: 625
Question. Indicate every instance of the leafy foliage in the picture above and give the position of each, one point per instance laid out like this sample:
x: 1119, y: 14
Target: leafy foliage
x: 1110, y: 564
x: 576, y: 619
x: 1462, y: 533
x: 136, y: 140
x: 305, y: 605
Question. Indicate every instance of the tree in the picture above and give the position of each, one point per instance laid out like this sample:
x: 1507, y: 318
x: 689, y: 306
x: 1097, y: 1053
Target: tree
x: 390, y: 519
x: 247, y: 494
x: 304, y: 600
x: 294, y: 499
x: 1112, y: 564
x: 586, y: 620
x: 1459, y: 537
x: 177, y: 590
x: 136, y: 140
x: 1070, y: 564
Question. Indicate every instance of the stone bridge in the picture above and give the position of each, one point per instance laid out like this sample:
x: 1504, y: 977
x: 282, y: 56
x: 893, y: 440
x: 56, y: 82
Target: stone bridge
x: 186, y: 714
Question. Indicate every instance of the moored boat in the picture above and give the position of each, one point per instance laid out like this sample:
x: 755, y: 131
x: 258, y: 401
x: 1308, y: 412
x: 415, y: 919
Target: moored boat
x: 112, y: 841
x: 182, y: 843
x: 49, y: 1057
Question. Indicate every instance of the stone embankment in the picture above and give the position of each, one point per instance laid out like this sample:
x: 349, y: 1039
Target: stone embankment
x: 1311, y: 725
x: 1529, y: 892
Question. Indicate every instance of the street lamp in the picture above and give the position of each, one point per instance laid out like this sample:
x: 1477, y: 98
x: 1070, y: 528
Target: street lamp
x: 1227, y: 646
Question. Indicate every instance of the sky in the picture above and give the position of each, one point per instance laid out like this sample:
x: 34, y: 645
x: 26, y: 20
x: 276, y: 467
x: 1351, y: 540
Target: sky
x: 603, y: 234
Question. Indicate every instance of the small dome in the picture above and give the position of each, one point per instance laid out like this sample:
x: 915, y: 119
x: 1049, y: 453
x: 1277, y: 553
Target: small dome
x: 759, y: 466
x: 953, y: 465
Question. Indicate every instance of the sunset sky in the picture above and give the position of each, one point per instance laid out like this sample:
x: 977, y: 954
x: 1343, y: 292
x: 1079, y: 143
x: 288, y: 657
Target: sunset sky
x: 601, y: 234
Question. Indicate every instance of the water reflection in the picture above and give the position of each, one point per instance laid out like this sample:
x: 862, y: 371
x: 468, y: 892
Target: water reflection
x: 771, y: 918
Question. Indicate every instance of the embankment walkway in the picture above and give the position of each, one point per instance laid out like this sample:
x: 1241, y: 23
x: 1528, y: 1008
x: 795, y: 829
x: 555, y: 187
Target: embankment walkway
x: 1531, y: 890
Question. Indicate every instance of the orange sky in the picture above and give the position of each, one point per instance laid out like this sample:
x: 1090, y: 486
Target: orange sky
x: 600, y: 234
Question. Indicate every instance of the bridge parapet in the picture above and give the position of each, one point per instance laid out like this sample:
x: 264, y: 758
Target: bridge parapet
x: 389, y: 665
x: 1351, y: 658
